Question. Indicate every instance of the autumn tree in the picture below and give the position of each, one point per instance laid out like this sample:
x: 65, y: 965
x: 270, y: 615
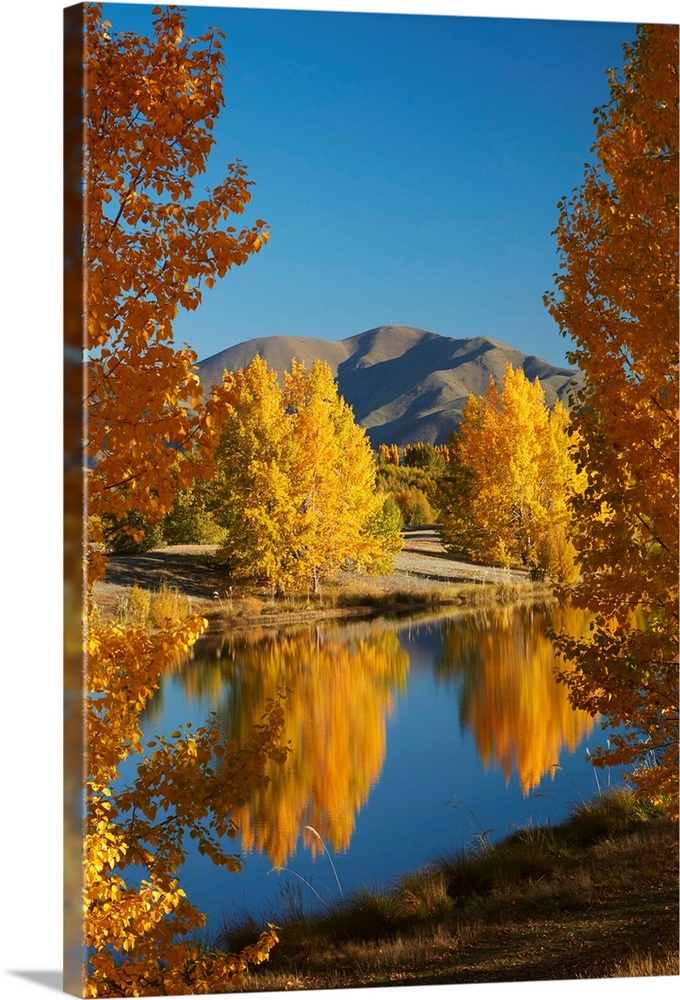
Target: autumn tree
x: 414, y: 506
x: 295, y: 488
x: 388, y: 454
x: 253, y: 495
x: 617, y: 297
x: 333, y: 476
x: 385, y: 525
x: 138, y: 920
x: 423, y: 456
x: 509, y: 475
x: 148, y: 249
x: 413, y: 482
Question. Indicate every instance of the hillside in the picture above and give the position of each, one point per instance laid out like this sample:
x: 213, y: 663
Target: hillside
x: 404, y: 384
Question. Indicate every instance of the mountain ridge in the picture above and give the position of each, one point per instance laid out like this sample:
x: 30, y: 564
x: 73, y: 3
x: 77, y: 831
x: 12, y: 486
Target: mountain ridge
x: 404, y: 384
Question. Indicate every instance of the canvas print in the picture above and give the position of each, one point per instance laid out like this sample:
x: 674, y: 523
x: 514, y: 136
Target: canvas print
x: 371, y: 455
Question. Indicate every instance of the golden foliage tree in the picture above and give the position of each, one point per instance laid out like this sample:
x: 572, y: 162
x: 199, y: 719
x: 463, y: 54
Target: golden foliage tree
x: 148, y: 247
x: 295, y: 488
x: 509, y: 476
x: 138, y: 920
x: 333, y: 478
x: 253, y: 496
x: 388, y: 454
x: 617, y: 297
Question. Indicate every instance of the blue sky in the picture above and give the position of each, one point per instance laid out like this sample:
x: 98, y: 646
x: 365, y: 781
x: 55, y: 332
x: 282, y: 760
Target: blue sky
x: 409, y: 167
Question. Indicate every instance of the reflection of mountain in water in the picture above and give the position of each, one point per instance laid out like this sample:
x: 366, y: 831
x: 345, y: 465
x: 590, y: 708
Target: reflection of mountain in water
x: 503, y: 662
x: 423, y: 643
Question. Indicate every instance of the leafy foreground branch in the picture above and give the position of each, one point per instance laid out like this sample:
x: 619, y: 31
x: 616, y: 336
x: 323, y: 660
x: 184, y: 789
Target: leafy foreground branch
x: 617, y: 298
x: 594, y: 897
x: 148, y: 247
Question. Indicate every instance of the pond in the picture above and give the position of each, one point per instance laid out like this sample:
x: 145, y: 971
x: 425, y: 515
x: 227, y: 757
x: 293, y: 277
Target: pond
x: 409, y: 740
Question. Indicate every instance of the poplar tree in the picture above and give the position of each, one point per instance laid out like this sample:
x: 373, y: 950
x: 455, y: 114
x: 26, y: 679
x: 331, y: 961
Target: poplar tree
x: 295, y: 488
x: 334, y: 478
x: 150, y: 248
x: 253, y: 493
x: 617, y: 297
x: 509, y: 474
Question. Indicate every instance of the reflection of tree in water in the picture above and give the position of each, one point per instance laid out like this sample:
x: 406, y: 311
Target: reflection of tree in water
x: 339, y: 685
x: 205, y: 672
x: 503, y: 661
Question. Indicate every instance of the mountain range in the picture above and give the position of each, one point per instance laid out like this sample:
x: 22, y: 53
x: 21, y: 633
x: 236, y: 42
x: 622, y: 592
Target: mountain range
x: 403, y: 384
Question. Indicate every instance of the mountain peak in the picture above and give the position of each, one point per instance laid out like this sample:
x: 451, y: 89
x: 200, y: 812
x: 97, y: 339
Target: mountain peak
x: 404, y: 384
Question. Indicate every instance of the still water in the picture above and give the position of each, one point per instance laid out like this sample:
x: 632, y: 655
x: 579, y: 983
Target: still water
x: 408, y: 740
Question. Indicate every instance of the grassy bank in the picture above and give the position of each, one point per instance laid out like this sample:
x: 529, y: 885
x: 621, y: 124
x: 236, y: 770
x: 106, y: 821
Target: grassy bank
x: 595, y: 897
x: 160, y: 596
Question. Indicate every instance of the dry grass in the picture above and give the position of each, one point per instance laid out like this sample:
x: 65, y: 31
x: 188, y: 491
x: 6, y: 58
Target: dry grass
x: 160, y: 608
x: 132, y: 606
x: 385, y: 595
x: 647, y: 964
x: 168, y: 607
x: 346, y: 596
x: 247, y: 606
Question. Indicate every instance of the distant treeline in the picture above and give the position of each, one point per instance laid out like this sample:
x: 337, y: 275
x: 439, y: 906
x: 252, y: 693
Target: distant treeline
x: 419, y: 455
x: 411, y: 476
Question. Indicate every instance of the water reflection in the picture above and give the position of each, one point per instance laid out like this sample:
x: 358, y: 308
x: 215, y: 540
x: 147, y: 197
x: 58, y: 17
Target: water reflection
x: 519, y: 716
x: 341, y: 684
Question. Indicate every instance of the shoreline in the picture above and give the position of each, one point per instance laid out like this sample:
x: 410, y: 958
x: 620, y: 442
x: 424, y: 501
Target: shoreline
x: 550, y: 910
x: 593, y: 897
x: 424, y: 579
x: 219, y: 621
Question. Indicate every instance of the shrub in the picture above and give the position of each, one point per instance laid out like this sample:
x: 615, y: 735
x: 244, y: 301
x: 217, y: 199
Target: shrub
x: 414, y: 506
x: 140, y: 605
x: 146, y: 536
x: 190, y: 522
x: 251, y: 606
x: 133, y: 606
x: 168, y: 607
x: 386, y: 525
